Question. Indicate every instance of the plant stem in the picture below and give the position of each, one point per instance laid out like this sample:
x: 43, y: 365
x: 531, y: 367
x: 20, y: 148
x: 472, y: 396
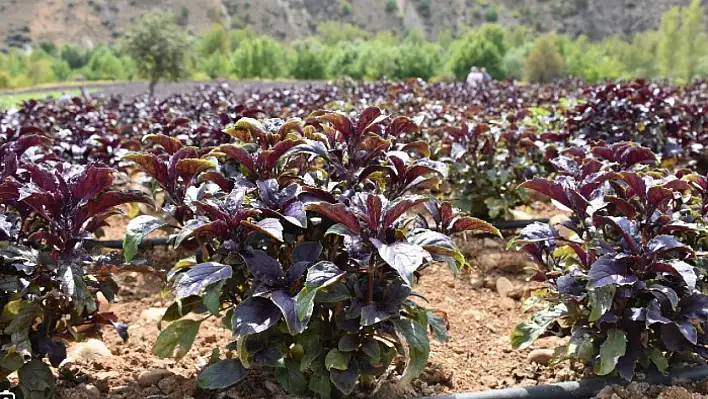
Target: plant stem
x: 370, y: 294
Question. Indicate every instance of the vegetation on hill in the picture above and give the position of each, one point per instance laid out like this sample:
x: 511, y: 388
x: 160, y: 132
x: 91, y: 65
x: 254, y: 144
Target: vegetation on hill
x: 677, y: 50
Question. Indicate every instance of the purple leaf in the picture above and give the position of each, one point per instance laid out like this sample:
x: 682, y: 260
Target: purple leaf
x: 666, y: 243
x: 253, y: 316
x: 337, y: 213
x: 394, y: 209
x: 677, y: 267
x: 288, y: 307
x: 200, y: 276
x: 654, y: 314
x: 403, y: 257
x: 307, y: 252
x: 295, y: 214
x: 263, y: 267
x: 608, y: 270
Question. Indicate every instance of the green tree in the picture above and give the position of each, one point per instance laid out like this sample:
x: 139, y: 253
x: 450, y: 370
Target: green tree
x: 544, y: 63
x: 73, y: 56
x: 514, y: 62
x: 104, y: 65
x: 159, y: 48
x: 345, y: 8
x: 308, y: 62
x: 475, y: 50
x: 491, y: 14
x: 691, y: 34
x: 61, y: 69
x: 667, y: 50
x: 217, y: 39
x: 217, y: 65
x: 262, y: 57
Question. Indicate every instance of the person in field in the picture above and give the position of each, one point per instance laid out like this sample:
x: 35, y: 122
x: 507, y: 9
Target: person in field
x: 475, y: 77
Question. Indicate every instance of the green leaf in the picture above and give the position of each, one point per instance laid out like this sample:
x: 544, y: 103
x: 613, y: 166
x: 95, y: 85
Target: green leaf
x: 36, y: 380
x: 416, y: 348
x: 222, y: 374
x: 348, y: 343
x: 137, y: 229
x: 312, y: 348
x: 337, y: 360
x: 528, y: 331
x: 601, y: 301
x: 439, y: 327
x: 658, y: 358
x: 372, y: 349
x: 291, y: 378
x: 319, y: 276
x: 611, y: 350
x: 212, y: 297
x: 320, y: 385
x: 581, y: 348
x: 180, y: 334
x: 339, y: 229
x: 12, y: 360
x: 18, y: 316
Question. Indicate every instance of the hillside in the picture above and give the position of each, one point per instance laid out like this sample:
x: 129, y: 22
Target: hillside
x: 87, y: 22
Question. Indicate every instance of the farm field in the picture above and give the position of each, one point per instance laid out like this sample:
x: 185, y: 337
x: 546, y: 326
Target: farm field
x: 340, y: 239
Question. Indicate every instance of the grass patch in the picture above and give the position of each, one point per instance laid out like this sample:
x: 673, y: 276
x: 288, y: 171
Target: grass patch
x: 8, y: 101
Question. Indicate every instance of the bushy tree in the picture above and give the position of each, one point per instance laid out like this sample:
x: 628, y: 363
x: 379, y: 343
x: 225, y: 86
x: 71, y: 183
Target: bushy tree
x: 217, y: 65
x: 415, y: 57
x: 308, y: 62
x: 667, y: 51
x: 544, y: 63
x: 73, y: 56
x: 345, y: 60
x: 159, y: 48
x: 476, y: 50
x: 514, y: 62
x: 216, y: 40
x: 692, y: 34
x: 104, y: 65
x: 262, y: 57
x: 40, y: 71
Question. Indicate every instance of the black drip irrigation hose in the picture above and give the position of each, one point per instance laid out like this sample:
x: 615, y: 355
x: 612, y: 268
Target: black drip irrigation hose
x: 161, y: 242
x: 517, y: 224
x: 118, y: 244
x: 581, y: 389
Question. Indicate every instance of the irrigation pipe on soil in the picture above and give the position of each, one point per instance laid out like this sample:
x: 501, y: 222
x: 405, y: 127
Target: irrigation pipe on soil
x: 580, y: 389
x: 161, y: 242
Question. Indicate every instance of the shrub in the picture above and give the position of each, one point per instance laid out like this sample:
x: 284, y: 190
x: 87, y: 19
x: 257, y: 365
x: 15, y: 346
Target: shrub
x: 345, y: 8
x: 40, y: 71
x: 514, y: 62
x: 391, y: 6
x: 309, y: 62
x: 491, y: 14
x: 625, y: 285
x: 217, y: 65
x: 309, y: 280
x: 476, y: 51
x: 544, y: 63
x: 159, y: 48
x: 104, y: 65
x: 261, y: 57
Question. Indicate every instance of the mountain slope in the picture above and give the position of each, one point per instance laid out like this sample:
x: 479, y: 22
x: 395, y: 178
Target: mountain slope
x: 88, y: 22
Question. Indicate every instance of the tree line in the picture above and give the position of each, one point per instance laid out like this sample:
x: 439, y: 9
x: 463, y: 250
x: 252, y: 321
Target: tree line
x: 158, y: 48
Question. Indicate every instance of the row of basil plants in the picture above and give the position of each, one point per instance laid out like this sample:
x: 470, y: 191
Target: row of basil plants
x: 314, y: 228
x: 310, y: 235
